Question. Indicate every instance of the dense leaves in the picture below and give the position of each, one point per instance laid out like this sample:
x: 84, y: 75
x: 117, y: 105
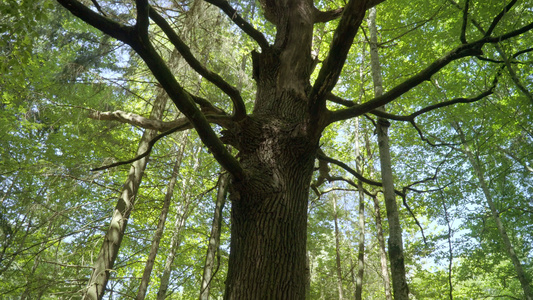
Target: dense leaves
x: 56, y: 71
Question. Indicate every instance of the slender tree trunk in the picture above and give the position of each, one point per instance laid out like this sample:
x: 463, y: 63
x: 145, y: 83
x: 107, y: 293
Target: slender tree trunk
x: 480, y: 174
x: 181, y: 217
x: 382, y: 251
x: 214, y: 238
x: 361, y: 246
x: 399, y: 282
x: 379, y: 234
x: 450, y: 249
x: 109, y: 252
x: 141, y: 294
x: 337, y: 249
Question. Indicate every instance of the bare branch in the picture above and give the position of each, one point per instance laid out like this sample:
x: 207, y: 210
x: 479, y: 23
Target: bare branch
x: 239, y: 21
x: 232, y: 92
x: 326, y: 16
x: 137, y: 120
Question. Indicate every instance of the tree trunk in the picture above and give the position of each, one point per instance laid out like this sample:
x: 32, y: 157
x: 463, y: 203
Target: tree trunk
x: 214, y: 238
x: 181, y: 217
x: 141, y: 294
x: 269, y: 227
x: 277, y: 146
x: 399, y: 282
x: 382, y: 251
x: 522, y: 276
x: 109, y: 252
x: 361, y: 246
x: 337, y: 250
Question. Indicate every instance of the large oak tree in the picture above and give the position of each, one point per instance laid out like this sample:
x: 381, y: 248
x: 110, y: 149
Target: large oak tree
x: 278, y: 138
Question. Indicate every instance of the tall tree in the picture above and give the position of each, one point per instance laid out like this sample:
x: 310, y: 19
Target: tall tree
x: 278, y: 136
x: 396, y: 255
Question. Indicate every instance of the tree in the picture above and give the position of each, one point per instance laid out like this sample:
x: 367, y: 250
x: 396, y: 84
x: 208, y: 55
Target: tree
x: 278, y: 137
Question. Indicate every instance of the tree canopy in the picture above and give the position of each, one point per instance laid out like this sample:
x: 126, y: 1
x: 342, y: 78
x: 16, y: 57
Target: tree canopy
x: 355, y: 141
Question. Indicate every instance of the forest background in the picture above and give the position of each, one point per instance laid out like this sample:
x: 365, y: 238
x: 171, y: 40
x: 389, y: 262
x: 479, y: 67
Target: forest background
x: 461, y: 147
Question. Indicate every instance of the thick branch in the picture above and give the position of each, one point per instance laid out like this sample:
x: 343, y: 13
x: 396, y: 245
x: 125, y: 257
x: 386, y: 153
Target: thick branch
x: 328, y: 76
x: 499, y: 17
x: 106, y: 25
x: 183, y: 101
x: 142, y: 17
x: 239, y: 21
x: 232, y: 92
x: 146, y: 123
x: 462, y: 38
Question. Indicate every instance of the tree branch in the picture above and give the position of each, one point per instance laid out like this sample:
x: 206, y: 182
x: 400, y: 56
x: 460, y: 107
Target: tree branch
x: 343, y: 37
x: 140, y: 121
x: 162, y: 73
x: 232, y: 92
x: 142, y: 17
x: 322, y: 156
x: 462, y: 37
x: 465, y: 50
x: 499, y: 17
x: 151, y: 144
x: 239, y: 21
x: 119, y: 31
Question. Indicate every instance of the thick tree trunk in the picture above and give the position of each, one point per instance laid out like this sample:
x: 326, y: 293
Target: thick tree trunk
x: 113, y: 238
x: 141, y: 293
x: 480, y: 174
x: 399, y: 282
x: 214, y: 238
x: 269, y: 229
x: 277, y: 147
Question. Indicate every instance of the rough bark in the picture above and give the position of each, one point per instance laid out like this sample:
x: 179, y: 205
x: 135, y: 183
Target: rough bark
x: 214, y: 237
x: 145, y: 280
x: 395, y: 243
x: 269, y: 217
x: 337, y: 250
x: 113, y: 238
x: 480, y: 174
